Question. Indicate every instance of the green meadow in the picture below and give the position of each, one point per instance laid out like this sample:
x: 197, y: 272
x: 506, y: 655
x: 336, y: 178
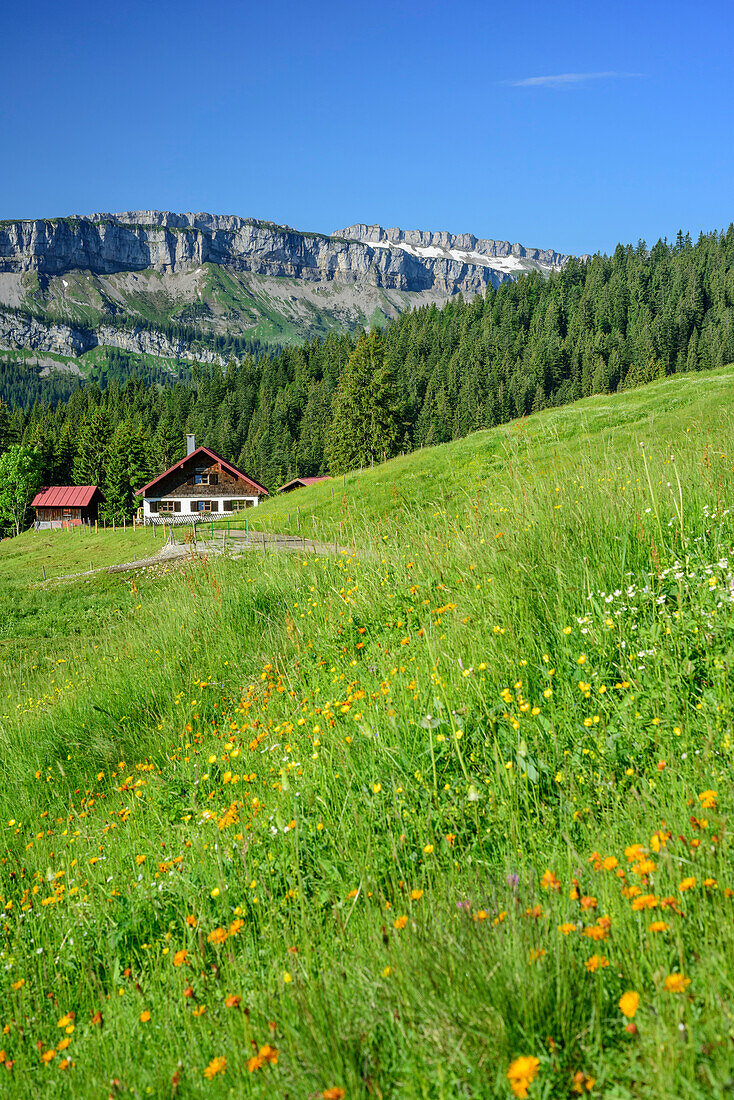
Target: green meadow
x: 443, y: 814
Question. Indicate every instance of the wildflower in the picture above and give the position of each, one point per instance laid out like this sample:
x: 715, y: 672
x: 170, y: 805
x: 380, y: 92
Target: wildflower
x: 416, y: 895
x: 191, y: 920
x: 387, y: 972
x: 234, y: 1000
x: 235, y: 926
x: 567, y: 928
x: 63, y: 1043
x: 144, y: 1016
x: 549, y: 881
x: 265, y: 1054
x: 66, y: 1020
x: 400, y: 922
x: 609, y: 863
x: 140, y: 859
x: 217, y: 936
x: 596, y: 962
x: 48, y: 1056
x: 180, y: 957
x: 708, y: 799
x: 376, y: 788
x: 215, y: 892
x: 676, y: 983
x: 18, y: 985
x: 629, y: 1002
x: 217, y: 1065
x: 588, y: 903
x: 336, y: 1092
x: 428, y: 849
x: 287, y: 977
x: 521, y: 1073
x: 687, y: 884
x: 645, y: 901
x: 658, y: 926
x: 96, y: 1020
x: 198, y: 1011
x: 581, y: 1082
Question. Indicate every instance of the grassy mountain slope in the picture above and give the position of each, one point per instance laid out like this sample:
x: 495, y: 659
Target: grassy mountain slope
x: 408, y: 814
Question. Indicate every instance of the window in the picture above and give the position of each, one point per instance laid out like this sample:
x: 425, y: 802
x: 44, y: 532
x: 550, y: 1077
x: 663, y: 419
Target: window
x: 167, y: 506
x: 204, y: 506
x: 204, y: 476
x: 237, y: 505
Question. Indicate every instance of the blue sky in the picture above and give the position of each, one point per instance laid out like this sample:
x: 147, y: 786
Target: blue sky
x: 435, y: 115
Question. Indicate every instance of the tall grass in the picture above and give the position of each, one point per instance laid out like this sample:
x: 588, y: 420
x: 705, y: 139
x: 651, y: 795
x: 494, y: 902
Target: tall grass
x: 340, y: 807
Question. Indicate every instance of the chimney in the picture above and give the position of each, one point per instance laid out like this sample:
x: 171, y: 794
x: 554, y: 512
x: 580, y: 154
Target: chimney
x: 190, y: 445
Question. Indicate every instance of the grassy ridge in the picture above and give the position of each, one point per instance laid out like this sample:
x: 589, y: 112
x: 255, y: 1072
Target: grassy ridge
x: 387, y: 823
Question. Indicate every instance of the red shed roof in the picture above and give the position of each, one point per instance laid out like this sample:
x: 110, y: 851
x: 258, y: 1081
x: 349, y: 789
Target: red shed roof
x: 305, y: 481
x: 215, y: 458
x: 64, y: 496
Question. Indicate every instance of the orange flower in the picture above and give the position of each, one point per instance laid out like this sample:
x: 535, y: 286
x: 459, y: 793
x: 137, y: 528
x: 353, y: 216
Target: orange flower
x: 180, y: 957
x: 233, y: 1001
x: 191, y: 920
x: 235, y: 926
x: 567, y: 928
x: 708, y: 799
x: 596, y: 932
x: 400, y: 922
x: 217, y: 1065
x: 687, y: 884
x: 265, y: 1054
x: 588, y: 903
x: 416, y: 895
x: 629, y: 1002
x: 217, y: 936
x: 645, y: 901
x: 549, y: 881
x: 596, y: 962
x: 658, y: 926
x: 676, y: 983
x: 521, y: 1073
x: 96, y: 1019
x: 581, y: 1082
x: 144, y: 1016
x: 47, y: 1056
x: 336, y: 1092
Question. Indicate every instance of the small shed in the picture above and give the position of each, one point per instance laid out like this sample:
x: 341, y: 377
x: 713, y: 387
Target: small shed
x: 67, y: 505
x: 300, y: 483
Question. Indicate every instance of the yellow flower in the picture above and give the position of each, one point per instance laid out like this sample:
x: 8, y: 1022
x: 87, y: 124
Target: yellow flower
x: 215, y: 892
x: 676, y: 983
x: 520, y: 1074
x: 629, y: 1002
x: 400, y: 922
x: 140, y: 859
x: 416, y: 895
x: 657, y: 926
x: 217, y: 1065
x: 377, y: 787
x: 287, y: 977
x: 708, y: 799
x: 428, y: 849
x: 567, y: 928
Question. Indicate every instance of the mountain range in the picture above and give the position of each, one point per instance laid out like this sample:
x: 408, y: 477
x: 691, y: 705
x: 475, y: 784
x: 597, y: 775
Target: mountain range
x: 162, y: 290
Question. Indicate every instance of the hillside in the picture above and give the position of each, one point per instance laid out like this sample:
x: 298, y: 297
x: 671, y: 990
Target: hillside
x: 444, y: 816
x: 186, y: 288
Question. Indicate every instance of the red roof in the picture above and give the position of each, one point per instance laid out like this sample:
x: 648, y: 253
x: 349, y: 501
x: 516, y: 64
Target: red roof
x: 64, y: 496
x: 305, y: 481
x: 215, y: 458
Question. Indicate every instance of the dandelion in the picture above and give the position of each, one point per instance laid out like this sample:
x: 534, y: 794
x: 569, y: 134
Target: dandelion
x: 629, y: 1002
x: 676, y: 983
x: 217, y: 1065
x: 521, y: 1073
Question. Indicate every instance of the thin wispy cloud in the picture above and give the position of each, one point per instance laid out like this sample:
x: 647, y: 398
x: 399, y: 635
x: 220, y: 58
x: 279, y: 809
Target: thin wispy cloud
x: 558, y: 80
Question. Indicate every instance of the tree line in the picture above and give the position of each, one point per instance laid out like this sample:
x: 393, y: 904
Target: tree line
x: 432, y: 375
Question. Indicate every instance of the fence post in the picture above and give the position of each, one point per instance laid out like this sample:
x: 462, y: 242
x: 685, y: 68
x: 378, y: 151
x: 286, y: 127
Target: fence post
x: 247, y: 528
x: 43, y: 567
